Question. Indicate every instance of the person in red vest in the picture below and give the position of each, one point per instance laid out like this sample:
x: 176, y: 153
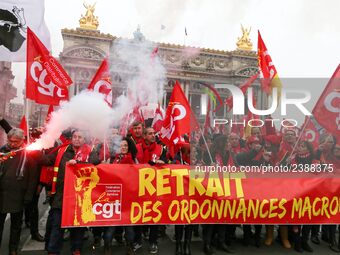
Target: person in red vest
x: 149, y: 152
x: 77, y: 151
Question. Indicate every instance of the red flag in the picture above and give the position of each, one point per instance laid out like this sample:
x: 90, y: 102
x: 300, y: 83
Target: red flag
x: 101, y: 82
x: 311, y: 133
x: 157, y: 122
x: 124, y: 125
x: 327, y: 109
x: 179, y: 119
x: 23, y: 125
x: 243, y: 87
x: 266, y: 66
x: 154, y: 53
x: 49, y: 112
x: 136, y: 114
x: 46, y: 80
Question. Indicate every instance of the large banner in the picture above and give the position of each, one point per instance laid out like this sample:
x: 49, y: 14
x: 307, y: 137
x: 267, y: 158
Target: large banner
x: 175, y: 194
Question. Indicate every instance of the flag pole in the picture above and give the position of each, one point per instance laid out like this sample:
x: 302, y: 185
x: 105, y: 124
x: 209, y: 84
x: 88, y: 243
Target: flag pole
x: 27, y: 120
x: 299, y: 138
x: 206, y: 145
x: 104, y: 148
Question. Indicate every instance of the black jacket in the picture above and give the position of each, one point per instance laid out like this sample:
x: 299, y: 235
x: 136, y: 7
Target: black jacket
x: 17, y: 187
x: 49, y: 160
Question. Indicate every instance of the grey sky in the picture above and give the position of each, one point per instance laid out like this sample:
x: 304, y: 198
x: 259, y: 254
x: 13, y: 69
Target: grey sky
x: 302, y: 36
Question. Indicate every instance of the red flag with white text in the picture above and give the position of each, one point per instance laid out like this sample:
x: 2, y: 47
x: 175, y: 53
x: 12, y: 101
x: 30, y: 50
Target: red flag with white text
x: 311, y: 133
x: 101, y: 82
x: 327, y: 109
x: 267, y: 69
x: 157, y: 122
x: 179, y: 119
x: 46, y: 80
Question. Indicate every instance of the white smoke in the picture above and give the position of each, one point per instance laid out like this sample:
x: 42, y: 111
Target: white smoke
x: 143, y: 77
x: 140, y: 70
x: 87, y: 111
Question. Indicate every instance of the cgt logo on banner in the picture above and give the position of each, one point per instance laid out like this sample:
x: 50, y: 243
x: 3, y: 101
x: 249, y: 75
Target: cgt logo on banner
x: 109, y: 203
x: 15, y: 17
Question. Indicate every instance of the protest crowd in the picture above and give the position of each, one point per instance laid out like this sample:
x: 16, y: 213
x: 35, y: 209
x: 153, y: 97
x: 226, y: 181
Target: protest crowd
x: 28, y: 173
x: 171, y: 138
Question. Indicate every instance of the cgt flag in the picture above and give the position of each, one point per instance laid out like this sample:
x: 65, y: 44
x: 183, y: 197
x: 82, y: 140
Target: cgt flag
x: 270, y: 78
x: 15, y: 17
x: 101, y: 82
x: 310, y: 132
x: 327, y: 109
x: 157, y: 121
x: 46, y: 80
x: 179, y: 119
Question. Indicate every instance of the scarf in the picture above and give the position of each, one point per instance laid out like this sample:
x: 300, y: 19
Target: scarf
x: 219, y: 160
x: 124, y: 159
x: 81, y: 154
x: 147, y: 151
x: 136, y: 139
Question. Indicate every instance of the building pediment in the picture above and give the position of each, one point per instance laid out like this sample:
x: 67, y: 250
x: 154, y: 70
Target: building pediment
x: 247, y: 71
x: 85, y: 53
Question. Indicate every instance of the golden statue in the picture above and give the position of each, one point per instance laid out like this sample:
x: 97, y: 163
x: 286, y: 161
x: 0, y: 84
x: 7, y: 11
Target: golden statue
x: 244, y: 42
x: 89, y: 21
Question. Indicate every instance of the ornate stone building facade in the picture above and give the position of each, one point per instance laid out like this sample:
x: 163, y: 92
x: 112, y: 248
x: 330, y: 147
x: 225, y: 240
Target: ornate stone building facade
x: 85, y: 48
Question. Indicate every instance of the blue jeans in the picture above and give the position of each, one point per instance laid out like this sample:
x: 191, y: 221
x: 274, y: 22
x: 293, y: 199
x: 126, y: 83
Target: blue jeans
x: 55, y: 234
